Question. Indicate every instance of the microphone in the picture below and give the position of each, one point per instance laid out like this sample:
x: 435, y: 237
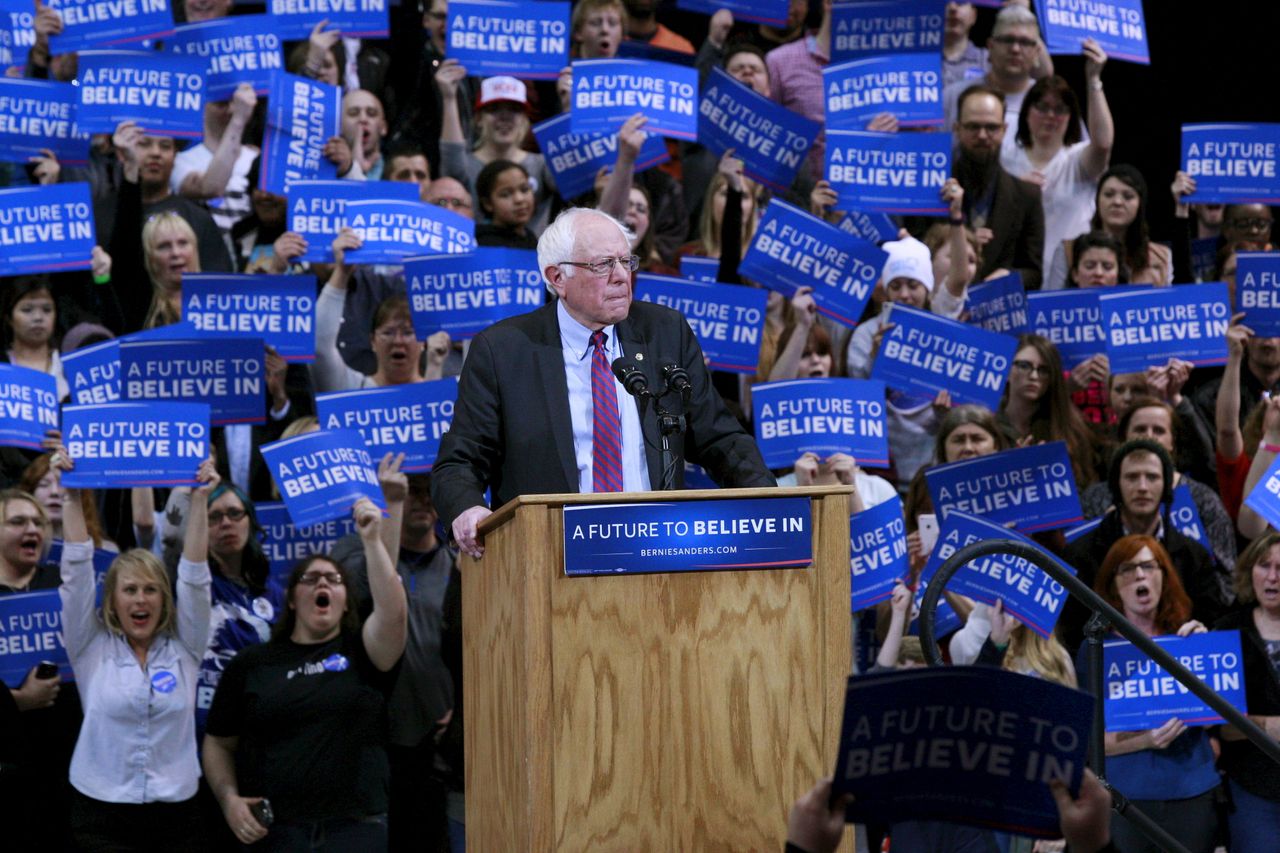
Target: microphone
x: 677, y: 379
x: 631, y: 376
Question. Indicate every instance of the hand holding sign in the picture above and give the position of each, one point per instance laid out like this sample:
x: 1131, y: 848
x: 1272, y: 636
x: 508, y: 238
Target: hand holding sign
x: 817, y: 820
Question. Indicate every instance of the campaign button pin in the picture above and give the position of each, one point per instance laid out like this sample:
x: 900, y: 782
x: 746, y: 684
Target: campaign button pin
x: 335, y: 663
x: 164, y: 681
x: 263, y: 608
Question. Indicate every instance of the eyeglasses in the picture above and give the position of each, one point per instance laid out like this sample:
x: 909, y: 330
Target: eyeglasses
x: 976, y: 127
x: 452, y: 202
x: 313, y: 578
x: 1147, y: 566
x: 604, y: 266
x: 1039, y: 370
x: 1020, y: 41
x: 1057, y: 110
x: 401, y: 332
x: 216, y: 517
x: 1258, y: 224
x: 436, y: 16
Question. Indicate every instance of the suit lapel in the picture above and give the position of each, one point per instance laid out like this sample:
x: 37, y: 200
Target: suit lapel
x: 633, y: 345
x: 549, y: 358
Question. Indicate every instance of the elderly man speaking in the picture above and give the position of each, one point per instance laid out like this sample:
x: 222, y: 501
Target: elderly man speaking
x: 539, y: 410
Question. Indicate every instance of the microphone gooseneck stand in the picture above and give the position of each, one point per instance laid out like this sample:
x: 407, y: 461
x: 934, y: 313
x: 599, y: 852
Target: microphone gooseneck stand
x: 636, y: 383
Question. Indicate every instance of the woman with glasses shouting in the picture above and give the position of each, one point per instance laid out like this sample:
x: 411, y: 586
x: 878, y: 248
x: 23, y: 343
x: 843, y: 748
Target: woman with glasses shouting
x: 1037, y: 406
x: 295, y: 747
x: 1168, y: 771
x: 1052, y: 153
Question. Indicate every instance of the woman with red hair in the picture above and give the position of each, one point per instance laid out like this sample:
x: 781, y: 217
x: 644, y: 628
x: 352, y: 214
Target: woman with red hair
x: 1168, y: 772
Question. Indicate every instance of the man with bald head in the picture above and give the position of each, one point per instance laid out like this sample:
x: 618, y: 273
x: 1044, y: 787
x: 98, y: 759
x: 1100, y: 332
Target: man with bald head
x: 364, y: 126
x: 538, y: 410
x: 450, y: 192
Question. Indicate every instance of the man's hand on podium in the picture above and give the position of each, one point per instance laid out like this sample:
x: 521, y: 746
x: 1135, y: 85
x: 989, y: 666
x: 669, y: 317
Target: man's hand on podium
x: 464, y: 530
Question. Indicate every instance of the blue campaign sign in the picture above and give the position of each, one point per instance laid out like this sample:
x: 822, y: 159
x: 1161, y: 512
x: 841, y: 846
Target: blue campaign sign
x: 1186, y: 517
x: 823, y: 416
x: 28, y: 406
x: 1033, y: 488
x: 39, y: 114
x: 1147, y: 327
x: 924, y: 354
x: 17, y: 32
x: 1071, y: 319
x: 408, y: 419
x: 394, y: 231
x: 889, y: 172
x: 286, y: 545
x: 161, y: 92
x: 1232, y: 162
x: 607, y: 92
x: 771, y: 140
x: 905, y: 85
x: 771, y: 12
x: 575, y: 158
x: 700, y: 269
x: 294, y: 19
x: 239, y: 49
x: 302, y: 116
x: 1071, y: 534
x: 122, y: 445
x: 31, y: 632
x: 1116, y: 25
x: 878, y: 553
x: 226, y: 373
x: 727, y: 319
x: 525, y: 40
x: 278, y: 309
x: 999, y: 305
x: 868, y: 225
x: 888, y: 26
x: 1141, y: 695
x: 687, y: 536
x: 46, y: 229
x: 1027, y: 592
x: 109, y: 23
x: 465, y: 294
x: 1265, y: 497
x: 322, y: 475
x: 1258, y: 291
x: 317, y: 209
x: 792, y: 249
x: 972, y: 745
x: 93, y: 373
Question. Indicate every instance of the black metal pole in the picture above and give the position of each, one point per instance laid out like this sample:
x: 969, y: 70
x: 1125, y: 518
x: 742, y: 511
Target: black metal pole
x: 1103, y: 614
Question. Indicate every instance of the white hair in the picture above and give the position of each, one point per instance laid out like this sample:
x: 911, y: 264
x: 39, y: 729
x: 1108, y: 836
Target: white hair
x: 1014, y: 16
x: 558, y: 241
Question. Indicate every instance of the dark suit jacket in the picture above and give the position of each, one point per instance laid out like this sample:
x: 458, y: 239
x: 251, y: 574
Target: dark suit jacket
x: 512, y: 430
x: 1017, y: 229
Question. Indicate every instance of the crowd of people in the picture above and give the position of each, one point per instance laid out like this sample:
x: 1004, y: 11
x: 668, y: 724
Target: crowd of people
x: 215, y: 705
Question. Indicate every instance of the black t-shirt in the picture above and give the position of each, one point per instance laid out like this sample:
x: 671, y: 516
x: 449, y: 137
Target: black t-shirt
x: 312, y: 724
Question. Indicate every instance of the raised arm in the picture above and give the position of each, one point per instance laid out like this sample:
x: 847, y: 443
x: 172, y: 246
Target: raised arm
x: 386, y: 629
x: 448, y: 77
x: 212, y: 182
x: 1102, y: 130
x: 194, y: 581
x: 617, y: 190
x: 1227, y: 411
x: 395, y: 491
x: 77, y: 591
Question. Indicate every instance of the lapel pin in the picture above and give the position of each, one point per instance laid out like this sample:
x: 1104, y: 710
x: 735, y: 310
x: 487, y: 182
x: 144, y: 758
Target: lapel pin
x: 639, y: 356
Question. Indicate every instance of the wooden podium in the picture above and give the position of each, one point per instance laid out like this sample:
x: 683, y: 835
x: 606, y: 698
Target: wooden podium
x: 662, y: 712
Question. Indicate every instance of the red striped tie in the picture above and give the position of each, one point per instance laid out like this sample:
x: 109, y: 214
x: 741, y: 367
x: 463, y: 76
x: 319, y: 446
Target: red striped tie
x: 606, y: 428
